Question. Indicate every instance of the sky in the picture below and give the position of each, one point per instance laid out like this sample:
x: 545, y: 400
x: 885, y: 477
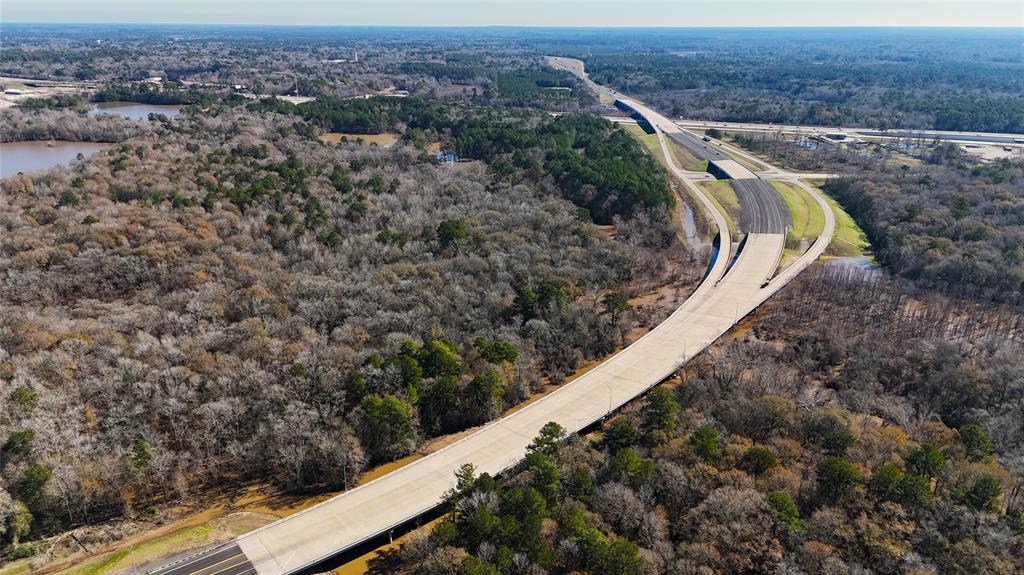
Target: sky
x: 663, y: 13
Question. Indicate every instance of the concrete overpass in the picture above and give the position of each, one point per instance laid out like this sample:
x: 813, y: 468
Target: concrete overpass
x: 300, y: 542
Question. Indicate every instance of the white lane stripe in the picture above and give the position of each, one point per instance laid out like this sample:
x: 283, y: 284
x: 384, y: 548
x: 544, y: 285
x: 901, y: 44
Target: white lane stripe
x: 170, y: 567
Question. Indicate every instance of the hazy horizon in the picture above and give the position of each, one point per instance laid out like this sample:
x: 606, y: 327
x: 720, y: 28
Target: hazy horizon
x: 527, y: 13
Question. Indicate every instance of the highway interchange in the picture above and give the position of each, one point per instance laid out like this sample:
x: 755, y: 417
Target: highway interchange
x: 762, y: 209
x: 300, y: 542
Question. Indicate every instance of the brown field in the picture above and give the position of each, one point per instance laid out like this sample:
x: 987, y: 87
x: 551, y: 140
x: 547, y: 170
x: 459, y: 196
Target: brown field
x: 379, y: 139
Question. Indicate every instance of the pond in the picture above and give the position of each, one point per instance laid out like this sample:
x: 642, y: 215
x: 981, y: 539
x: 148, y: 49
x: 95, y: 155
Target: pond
x: 863, y: 263
x: 36, y: 156
x: 133, y: 110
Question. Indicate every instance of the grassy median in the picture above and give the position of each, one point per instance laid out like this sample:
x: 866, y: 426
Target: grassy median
x: 808, y: 217
x: 725, y: 199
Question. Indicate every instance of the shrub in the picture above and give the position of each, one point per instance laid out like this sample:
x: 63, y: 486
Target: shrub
x: 836, y: 477
x: 757, y: 460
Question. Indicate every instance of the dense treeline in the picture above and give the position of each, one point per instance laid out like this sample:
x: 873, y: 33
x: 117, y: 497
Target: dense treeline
x: 515, y: 85
x: 809, y: 446
x: 44, y: 124
x: 444, y: 71
x: 949, y: 85
x: 146, y: 93
x: 955, y: 227
x: 929, y: 357
x: 364, y: 116
x: 538, y: 88
x: 238, y: 301
x: 55, y: 102
x: 597, y: 167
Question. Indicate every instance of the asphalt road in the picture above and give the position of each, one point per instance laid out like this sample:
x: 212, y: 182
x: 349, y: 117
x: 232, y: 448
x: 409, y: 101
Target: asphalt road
x: 983, y: 137
x: 944, y: 136
x: 699, y: 148
x: 223, y: 560
x: 763, y: 210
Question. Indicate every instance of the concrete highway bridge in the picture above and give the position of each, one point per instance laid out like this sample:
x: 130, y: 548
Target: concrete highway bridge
x: 733, y: 287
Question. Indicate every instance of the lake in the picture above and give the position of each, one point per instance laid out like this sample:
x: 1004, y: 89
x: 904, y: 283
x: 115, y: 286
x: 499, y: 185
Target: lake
x: 35, y: 156
x: 133, y: 110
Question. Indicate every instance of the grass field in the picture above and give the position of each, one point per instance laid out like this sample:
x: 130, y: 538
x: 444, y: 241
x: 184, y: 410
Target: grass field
x: 101, y: 565
x: 19, y: 567
x: 753, y: 166
x: 808, y: 218
x: 848, y: 240
x: 725, y: 199
x: 688, y: 161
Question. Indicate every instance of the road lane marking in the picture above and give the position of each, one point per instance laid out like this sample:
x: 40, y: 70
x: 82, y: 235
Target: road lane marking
x: 172, y: 567
x: 228, y: 568
x: 222, y: 561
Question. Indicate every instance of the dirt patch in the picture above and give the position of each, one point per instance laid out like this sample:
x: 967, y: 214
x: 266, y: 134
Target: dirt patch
x: 383, y: 140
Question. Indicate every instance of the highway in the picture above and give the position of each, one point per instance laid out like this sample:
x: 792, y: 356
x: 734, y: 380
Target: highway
x: 697, y: 147
x: 945, y: 135
x: 762, y: 209
x: 221, y: 560
x: 300, y: 542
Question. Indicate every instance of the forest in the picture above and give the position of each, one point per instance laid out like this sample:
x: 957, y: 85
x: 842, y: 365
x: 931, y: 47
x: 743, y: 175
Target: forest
x: 940, y: 220
x: 966, y: 80
x: 150, y: 94
x: 611, y: 177
x: 18, y: 125
x: 800, y: 447
x: 955, y: 228
x: 222, y: 300
x: 229, y: 300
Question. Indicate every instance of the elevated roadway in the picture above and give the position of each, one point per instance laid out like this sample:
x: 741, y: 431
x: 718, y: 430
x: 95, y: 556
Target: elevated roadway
x: 300, y: 542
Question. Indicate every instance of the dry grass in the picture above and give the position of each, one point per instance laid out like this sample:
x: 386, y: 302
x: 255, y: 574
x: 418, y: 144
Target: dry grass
x: 383, y: 140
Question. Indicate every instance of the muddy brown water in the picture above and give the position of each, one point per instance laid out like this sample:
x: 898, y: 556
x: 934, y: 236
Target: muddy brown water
x: 30, y: 157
